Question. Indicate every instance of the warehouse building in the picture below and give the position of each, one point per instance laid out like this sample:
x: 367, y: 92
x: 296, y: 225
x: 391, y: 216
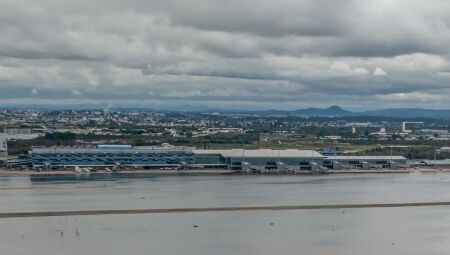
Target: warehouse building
x: 365, y: 162
x: 260, y: 159
x: 445, y: 163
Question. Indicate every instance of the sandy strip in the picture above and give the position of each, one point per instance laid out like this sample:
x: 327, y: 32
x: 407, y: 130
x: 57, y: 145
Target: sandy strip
x: 216, y: 209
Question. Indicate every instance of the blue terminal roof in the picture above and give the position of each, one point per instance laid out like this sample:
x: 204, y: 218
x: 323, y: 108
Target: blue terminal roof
x: 110, y: 147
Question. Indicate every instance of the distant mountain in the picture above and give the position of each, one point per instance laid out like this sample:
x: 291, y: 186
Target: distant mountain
x: 337, y: 111
x: 332, y: 111
x: 408, y: 113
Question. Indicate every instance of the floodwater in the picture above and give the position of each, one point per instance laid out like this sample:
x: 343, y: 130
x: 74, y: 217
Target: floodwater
x: 406, y: 230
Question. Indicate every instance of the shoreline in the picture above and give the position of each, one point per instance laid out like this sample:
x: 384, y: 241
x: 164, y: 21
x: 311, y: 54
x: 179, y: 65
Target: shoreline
x: 128, y: 173
x: 5, y: 172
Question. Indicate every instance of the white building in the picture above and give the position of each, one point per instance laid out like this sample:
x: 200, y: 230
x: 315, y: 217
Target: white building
x: 409, y: 127
x: 225, y: 130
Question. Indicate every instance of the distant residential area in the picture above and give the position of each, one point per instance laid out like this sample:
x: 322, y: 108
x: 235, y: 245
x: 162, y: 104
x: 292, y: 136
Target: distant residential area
x: 414, y: 139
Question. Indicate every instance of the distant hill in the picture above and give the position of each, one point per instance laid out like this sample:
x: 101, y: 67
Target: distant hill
x: 332, y: 111
x: 408, y: 113
x: 337, y: 111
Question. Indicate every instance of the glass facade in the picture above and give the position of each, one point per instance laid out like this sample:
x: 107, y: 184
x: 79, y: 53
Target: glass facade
x: 109, y: 156
x: 96, y: 158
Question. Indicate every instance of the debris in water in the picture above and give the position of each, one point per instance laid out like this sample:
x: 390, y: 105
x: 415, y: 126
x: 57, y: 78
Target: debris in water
x: 271, y: 224
x: 77, y: 232
x: 195, y: 226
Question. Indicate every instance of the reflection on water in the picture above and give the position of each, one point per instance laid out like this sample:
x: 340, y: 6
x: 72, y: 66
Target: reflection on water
x: 416, y: 230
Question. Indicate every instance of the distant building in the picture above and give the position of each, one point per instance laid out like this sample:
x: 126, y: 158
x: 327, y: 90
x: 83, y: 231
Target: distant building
x: 430, y: 134
x: 382, y: 134
x: 332, y: 137
x: 331, y: 152
x: 211, y: 131
x: 18, y: 131
x: 3, y: 145
x: 409, y: 127
x: 264, y: 137
x: 433, y: 132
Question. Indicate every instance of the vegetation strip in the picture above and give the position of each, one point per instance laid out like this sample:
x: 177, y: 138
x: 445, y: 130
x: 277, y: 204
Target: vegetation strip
x: 214, y: 209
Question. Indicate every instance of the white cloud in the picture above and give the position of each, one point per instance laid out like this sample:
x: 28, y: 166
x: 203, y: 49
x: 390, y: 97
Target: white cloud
x: 379, y: 72
x: 290, y: 51
x: 76, y: 92
x: 413, y: 97
x: 182, y: 94
x: 89, y: 75
x: 341, y: 68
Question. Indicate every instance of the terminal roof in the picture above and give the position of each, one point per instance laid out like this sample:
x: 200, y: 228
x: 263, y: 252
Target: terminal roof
x: 289, y: 153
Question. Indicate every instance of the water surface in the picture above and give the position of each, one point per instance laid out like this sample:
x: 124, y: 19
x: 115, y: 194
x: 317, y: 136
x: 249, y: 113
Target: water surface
x: 415, y: 230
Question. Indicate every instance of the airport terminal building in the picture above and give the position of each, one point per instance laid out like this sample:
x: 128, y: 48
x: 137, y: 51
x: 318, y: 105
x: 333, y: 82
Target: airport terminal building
x: 163, y: 157
x: 169, y: 157
x: 110, y: 155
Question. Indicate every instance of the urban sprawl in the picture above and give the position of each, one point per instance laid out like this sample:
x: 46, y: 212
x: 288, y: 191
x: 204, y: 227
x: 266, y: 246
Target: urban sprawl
x: 118, y: 140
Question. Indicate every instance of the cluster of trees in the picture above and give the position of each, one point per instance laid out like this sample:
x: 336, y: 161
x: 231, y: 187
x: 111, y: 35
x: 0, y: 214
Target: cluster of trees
x: 16, y: 147
x: 221, y: 139
x: 416, y: 152
x: 59, y: 136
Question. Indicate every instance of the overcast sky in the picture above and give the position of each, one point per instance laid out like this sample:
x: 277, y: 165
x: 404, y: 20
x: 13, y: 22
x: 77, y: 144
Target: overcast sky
x: 246, y: 54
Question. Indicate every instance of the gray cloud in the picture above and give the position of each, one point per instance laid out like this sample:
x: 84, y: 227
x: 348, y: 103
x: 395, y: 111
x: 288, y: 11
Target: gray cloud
x: 261, y: 54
